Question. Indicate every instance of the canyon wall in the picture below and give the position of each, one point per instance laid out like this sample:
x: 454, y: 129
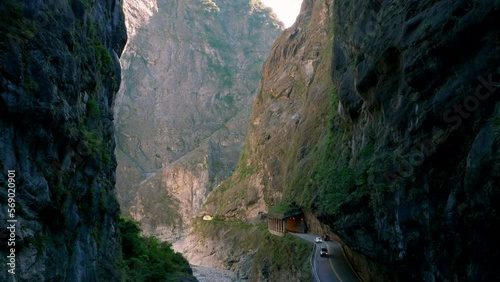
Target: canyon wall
x: 290, y: 109
x: 191, y: 70
x: 59, y: 73
x: 381, y: 120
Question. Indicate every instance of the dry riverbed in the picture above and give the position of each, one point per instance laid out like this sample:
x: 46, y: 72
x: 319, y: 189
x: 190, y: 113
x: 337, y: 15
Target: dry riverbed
x: 208, y: 274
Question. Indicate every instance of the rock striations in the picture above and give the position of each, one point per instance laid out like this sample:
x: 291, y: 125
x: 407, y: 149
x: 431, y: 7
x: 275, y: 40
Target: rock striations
x: 287, y: 118
x: 289, y: 111
x: 381, y: 120
x: 191, y: 70
x: 59, y: 72
x: 418, y: 88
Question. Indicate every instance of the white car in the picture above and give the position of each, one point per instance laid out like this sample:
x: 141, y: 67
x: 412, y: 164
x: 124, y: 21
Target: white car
x: 318, y: 240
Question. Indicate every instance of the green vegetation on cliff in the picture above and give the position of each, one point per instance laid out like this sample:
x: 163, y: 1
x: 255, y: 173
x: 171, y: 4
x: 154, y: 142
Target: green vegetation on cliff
x: 59, y: 73
x: 147, y: 259
x: 273, y: 258
x: 393, y: 143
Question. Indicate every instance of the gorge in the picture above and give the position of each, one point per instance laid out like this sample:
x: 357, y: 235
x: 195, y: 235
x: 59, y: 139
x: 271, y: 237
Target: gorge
x: 378, y: 121
x: 190, y: 72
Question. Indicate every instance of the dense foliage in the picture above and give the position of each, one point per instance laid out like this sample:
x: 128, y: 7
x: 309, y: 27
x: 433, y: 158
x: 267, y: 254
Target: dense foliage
x: 148, y: 259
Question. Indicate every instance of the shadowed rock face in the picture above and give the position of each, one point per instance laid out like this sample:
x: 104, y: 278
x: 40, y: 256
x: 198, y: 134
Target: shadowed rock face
x: 419, y: 89
x: 191, y: 71
x: 390, y: 136
x: 59, y: 72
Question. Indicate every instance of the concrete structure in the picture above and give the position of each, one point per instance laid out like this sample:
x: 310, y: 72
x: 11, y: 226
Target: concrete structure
x: 207, y: 217
x: 280, y: 223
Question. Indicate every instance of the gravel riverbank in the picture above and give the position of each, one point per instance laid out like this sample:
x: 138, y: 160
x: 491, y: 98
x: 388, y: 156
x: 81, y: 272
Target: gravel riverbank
x: 208, y: 274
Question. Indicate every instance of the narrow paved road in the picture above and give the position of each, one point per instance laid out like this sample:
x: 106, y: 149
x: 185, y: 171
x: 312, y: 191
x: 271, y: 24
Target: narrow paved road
x: 334, y: 268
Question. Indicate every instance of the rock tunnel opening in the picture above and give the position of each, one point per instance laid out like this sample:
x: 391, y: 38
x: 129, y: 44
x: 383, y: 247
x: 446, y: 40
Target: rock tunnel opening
x: 281, y: 223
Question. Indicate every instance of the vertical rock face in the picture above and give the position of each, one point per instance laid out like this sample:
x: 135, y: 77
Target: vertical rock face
x: 418, y: 85
x: 59, y: 72
x: 289, y: 114
x: 191, y: 70
x: 381, y: 118
x: 288, y: 117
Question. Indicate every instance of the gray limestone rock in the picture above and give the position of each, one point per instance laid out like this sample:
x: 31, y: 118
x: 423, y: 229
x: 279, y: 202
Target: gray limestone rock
x: 59, y: 72
x: 191, y: 70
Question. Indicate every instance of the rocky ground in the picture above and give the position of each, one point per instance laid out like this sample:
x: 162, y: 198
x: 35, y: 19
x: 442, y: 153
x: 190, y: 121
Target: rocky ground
x: 208, y: 274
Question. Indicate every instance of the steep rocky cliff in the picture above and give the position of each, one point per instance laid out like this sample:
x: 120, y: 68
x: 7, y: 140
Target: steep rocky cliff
x: 191, y: 71
x: 380, y: 119
x: 418, y: 90
x: 288, y: 117
x: 291, y: 108
x: 59, y: 72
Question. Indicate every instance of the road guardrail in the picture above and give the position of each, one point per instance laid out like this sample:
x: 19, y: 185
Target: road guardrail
x: 313, y: 265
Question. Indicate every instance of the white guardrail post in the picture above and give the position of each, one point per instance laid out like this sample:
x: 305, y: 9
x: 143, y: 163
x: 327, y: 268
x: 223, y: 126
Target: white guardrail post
x: 313, y: 265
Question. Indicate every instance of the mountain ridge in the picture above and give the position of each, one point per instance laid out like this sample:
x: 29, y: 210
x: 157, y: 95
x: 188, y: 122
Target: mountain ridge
x: 180, y: 127
x: 376, y: 134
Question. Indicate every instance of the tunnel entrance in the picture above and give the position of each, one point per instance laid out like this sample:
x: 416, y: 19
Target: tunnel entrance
x: 291, y: 221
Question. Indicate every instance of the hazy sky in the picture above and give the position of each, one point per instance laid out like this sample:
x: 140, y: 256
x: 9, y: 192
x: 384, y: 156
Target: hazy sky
x: 286, y: 10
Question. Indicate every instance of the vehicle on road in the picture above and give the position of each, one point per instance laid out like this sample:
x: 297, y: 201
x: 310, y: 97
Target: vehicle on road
x: 326, y: 237
x: 318, y: 240
x: 323, y: 252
